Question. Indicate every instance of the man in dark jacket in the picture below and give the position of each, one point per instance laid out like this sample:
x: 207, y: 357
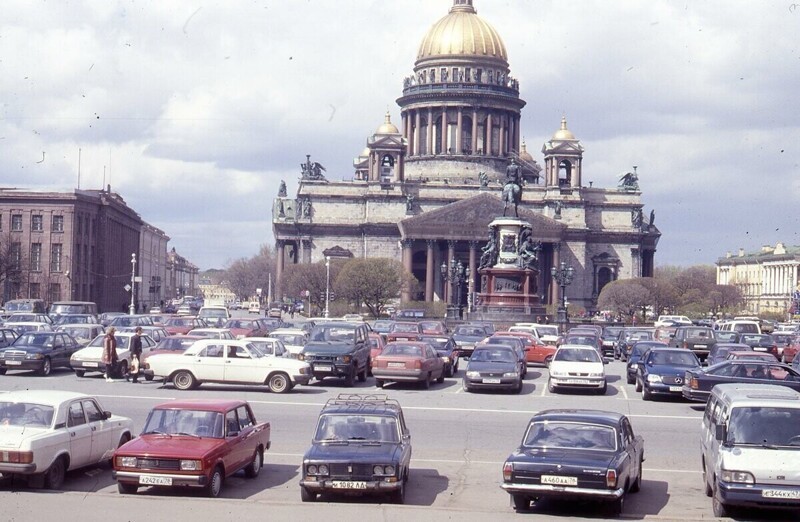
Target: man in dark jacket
x: 136, y: 354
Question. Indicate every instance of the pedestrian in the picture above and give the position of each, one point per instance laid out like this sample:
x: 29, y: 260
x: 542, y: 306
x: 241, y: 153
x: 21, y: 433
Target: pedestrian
x: 136, y: 355
x: 110, y: 354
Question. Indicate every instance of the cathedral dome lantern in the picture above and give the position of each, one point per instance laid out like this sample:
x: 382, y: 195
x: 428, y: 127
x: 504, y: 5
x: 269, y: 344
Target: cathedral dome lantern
x: 386, y: 150
x: 563, y: 158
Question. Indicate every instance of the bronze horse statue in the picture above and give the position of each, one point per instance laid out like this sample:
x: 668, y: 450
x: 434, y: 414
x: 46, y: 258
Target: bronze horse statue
x: 512, y: 190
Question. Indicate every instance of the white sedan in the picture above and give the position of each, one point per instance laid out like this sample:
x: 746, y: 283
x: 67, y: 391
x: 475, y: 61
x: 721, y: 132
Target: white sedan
x: 229, y: 361
x: 45, y: 433
x: 90, y: 359
x: 577, y: 366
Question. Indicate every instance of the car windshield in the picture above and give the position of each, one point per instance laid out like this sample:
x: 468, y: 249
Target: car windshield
x: 34, y: 339
x: 333, y: 333
x: 347, y: 427
x: 726, y: 336
x: 72, y: 319
x: 293, y: 339
x: 127, y: 321
x: 25, y: 414
x: 405, y: 327
x: 196, y: 423
x: 78, y: 332
x: 174, y: 344
x: 177, y: 321
x: 570, y: 435
x: 215, y: 313
x: 241, y: 323
x: 764, y: 426
x: 122, y: 341
x: 700, y: 332
x: 673, y: 358
x: 547, y: 330
x: 577, y: 355
x: 403, y: 350
x: 470, y: 331
x: 493, y: 355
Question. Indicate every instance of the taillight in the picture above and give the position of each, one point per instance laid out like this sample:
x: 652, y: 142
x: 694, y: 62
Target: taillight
x: 694, y: 384
x: 16, y: 457
x: 611, y: 478
x: 508, y: 469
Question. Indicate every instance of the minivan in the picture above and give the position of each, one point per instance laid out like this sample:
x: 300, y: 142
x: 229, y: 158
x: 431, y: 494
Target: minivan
x: 25, y: 305
x: 750, y: 447
x: 741, y: 326
x: 72, y: 307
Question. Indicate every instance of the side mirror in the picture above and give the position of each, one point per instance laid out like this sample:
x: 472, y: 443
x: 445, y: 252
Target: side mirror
x: 720, y: 432
x: 671, y: 336
x: 107, y: 415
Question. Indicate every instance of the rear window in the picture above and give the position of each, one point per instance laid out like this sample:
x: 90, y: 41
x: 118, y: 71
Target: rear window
x: 745, y: 328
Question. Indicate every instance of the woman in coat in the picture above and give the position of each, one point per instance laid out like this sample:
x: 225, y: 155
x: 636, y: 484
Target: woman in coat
x: 110, y: 353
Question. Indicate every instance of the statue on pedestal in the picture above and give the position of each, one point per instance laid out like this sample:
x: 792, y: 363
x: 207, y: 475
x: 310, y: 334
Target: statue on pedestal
x: 490, y: 251
x: 282, y: 189
x: 512, y: 190
x: 312, y: 171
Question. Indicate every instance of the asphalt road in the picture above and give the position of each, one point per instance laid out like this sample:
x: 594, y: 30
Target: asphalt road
x: 460, y: 441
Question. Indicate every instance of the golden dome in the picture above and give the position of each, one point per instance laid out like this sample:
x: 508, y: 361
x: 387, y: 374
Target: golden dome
x: 462, y: 33
x: 563, y: 133
x: 524, y: 154
x: 387, y: 127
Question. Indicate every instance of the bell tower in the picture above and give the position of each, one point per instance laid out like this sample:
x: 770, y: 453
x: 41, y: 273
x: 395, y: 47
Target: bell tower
x: 563, y: 159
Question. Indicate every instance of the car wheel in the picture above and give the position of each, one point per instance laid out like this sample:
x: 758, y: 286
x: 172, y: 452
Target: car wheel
x: 440, y: 380
x: 252, y: 470
x: 54, y: 476
x: 379, y: 383
x: 467, y: 387
x: 127, y: 489
x: 279, y: 383
x: 184, y: 380
x: 616, y: 506
x: 518, y: 389
x: 629, y: 379
x: 449, y: 371
x: 148, y: 377
x: 362, y: 375
x: 521, y: 502
x: 78, y: 373
x: 426, y: 382
x: 638, y: 385
x: 46, y: 367
x: 719, y: 509
x: 602, y: 391
x: 646, y: 395
x: 122, y: 369
x: 398, y: 496
x: 637, y: 484
x: 548, y: 360
x: 306, y: 495
x: 2, y: 371
x: 350, y: 378
x: 215, y: 484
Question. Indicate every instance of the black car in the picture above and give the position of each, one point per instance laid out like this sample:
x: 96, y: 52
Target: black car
x: 517, y: 343
x: 661, y: 371
x: 575, y: 454
x: 466, y: 336
x: 699, y: 339
x: 338, y: 349
x: 7, y: 336
x: 39, y: 351
x: 493, y: 366
x: 637, y: 351
x: 610, y: 337
x: 697, y: 384
x: 447, y: 350
x: 361, y: 446
x: 720, y: 352
x: 761, y: 343
x: 631, y: 336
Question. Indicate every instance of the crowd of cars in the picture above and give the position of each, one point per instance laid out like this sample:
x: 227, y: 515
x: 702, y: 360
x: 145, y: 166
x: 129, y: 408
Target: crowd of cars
x: 362, y: 444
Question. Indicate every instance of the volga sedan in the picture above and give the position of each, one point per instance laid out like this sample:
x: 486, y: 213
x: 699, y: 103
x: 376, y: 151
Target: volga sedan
x: 697, y: 384
x: 579, y: 367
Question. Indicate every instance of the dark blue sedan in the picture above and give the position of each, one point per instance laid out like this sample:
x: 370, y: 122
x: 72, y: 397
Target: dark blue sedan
x: 661, y: 371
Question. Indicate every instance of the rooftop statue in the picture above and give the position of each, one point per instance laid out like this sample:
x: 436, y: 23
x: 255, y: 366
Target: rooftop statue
x: 311, y: 170
x: 282, y: 189
x: 629, y: 181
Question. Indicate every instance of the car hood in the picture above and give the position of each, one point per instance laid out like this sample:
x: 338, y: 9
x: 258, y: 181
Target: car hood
x: 27, y: 349
x: 576, y: 366
x: 537, y: 458
x: 12, y: 436
x: 327, y: 348
x: 765, y: 464
x: 170, y: 446
x: 488, y: 366
x: 666, y: 369
x: 353, y: 451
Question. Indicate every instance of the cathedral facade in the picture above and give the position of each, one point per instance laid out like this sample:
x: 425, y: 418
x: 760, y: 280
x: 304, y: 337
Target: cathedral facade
x: 426, y: 194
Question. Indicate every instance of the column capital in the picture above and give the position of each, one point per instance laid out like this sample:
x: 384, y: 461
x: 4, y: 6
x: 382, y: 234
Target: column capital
x: 431, y: 243
x: 407, y: 242
x: 280, y: 243
x: 451, y: 243
x: 474, y: 244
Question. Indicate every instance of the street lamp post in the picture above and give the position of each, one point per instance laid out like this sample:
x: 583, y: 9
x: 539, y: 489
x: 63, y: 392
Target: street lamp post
x: 132, y: 309
x: 456, y: 275
x: 562, y: 275
x: 327, y: 284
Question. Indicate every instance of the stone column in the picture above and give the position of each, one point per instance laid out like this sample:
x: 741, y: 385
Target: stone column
x: 429, y: 271
x: 501, y: 147
x: 474, y: 131
x: 418, y: 121
x: 430, y: 131
x: 444, y: 131
x: 487, y: 146
x: 459, y: 130
x: 281, y: 258
x: 405, y: 294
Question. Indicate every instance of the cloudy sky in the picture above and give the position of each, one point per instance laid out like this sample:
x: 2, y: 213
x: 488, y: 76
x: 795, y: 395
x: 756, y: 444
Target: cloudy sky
x: 194, y: 111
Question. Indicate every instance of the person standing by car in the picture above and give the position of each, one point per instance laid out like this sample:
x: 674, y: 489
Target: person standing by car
x: 136, y: 355
x: 110, y: 354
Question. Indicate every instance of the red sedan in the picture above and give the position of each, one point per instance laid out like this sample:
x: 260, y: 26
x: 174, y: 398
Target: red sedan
x: 183, y: 324
x: 408, y: 362
x: 536, y: 351
x: 404, y: 331
x: 433, y: 328
x: 790, y: 350
x: 241, y: 328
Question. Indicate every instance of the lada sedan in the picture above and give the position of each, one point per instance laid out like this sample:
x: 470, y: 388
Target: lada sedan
x: 229, y: 362
x: 408, y: 362
x: 196, y: 443
x: 575, y: 454
x: 579, y: 367
x: 45, y: 433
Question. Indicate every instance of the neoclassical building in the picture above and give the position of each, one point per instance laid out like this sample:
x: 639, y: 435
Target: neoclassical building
x: 426, y: 194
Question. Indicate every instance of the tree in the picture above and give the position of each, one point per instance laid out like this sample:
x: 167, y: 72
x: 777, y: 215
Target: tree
x: 311, y: 277
x: 723, y: 298
x: 662, y: 293
x: 13, y: 267
x: 373, y: 282
x: 625, y: 297
x: 244, y: 275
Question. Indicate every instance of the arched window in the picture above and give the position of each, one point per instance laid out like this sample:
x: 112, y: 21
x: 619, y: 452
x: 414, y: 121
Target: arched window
x: 564, y: 173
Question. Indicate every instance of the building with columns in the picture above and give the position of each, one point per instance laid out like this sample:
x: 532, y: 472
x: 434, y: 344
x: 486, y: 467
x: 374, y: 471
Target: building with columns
x: 767, y: 278
x: 426, y: 194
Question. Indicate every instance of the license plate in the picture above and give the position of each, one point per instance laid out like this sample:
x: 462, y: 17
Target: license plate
x: 675, y: 388
x: 323, y: 368
x: 91, y: 364
x: 701, y: 346
x: 152, y: 480
x: 348, y: 484
x: 396, y: 365
x: 13, y: 363
x: 781, y: 493
x: 577, y: 381
x: 759, y: 349
x: 402, y: 339
x: 555, y: 480
x: 491, y: 381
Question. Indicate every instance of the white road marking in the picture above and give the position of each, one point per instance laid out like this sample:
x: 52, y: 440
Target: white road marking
x: 624, y: 391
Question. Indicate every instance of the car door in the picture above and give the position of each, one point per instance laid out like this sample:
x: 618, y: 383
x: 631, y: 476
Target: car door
x: 101, y: 429
x: 80, y: 436
x: 235, y: 441
x: 247, y: 426
x: 629, y: 446
x: 242, y: 366
x: 209, y: 363
x: 436, y: 362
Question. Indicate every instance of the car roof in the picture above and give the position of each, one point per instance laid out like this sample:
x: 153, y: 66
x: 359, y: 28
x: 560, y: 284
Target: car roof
x: 362, y: 404
x: 746, y: 394
x: 596, y: 416
x: 293, y: 331
x: 50, y: 397
x: 219, y: 405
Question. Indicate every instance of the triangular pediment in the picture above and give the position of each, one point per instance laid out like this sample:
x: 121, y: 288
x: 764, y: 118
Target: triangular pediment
x: 391, y: 142
x: 469, y: 219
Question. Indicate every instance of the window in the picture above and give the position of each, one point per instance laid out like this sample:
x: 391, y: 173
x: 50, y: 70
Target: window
x: 16, y: 222
x: 56, y: 250
x: 245, y: 419
x: 35, y: 291
x: 75, y: 417
x: 16, y: 256
x: 37, y: 223
x: 36, y: 257
x: 58, y: 223
x: 54, y: 292
x: 231, y: 423
x: 93, y: 412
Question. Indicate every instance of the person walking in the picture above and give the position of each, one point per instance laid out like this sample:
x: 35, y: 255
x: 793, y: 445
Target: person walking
x: 110, y: 354
x: 136, y: 355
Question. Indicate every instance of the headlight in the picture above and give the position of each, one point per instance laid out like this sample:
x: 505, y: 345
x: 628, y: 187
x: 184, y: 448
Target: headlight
x: 312, y: 470
x: 654, y: 378
x: 389, y: 470
x: 344, y: 358
x: 304, y: 370
x: 595, y: 375
x: 473, y: 375
x: 127, y: 462
x: 34, y: 356
x: 323, y: 469
x: 301, y: 357
x: 446, y: 359
x: 511, y: 374
x: 634, y: 366
x: 739, y: 477
x: 191, y: 465
x: 383, y: 470
x: 557, y: 374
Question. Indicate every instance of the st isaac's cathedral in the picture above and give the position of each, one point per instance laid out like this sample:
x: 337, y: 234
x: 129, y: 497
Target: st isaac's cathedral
x: 425, y: 194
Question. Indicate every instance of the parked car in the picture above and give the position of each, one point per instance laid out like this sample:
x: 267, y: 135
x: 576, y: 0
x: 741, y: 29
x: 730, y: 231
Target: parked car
x: 29, y: 317
x: 719, y: 352
x: 446, y: 349
x: 761, y: 343
x: 790, y: 350
x: 610, y: 337
x: 7, y: 336
x: 782, y: 340
x: 229, y: 362
x: 195, y: 443
x: 22, y: 327
x: 214, y: 316
x: 536, y: 352
x: 750, y: 356
x: 661, y: 371
x: 76, y: 319
x: 513, y: 342
x: 698, y: 339
x: 131, y: 321
x: 697, y: 384
x: 376, y: 345
x: 575, y: 454
x: 638, y: 350
x: 107, y: 317
x: 382, y: 327
x: 466, y: 336
x: 727, y: 336
x: 212, y: 333
x: 183, y: 324
x: 170, y: 344
x: 408, y: 361
x: 293, y: 339
x: 338, y: 349
x: 38, y: 351
x: 433, y: 327
x: 493, y: 366
x: 270, y: 346
x: 664, y: 334
x: 579, y: 367
x: 361, y: 446
x: 547, y: 333
x: 275, y: 310
x: 156, y: 333
x: 254, y: 308
x: 90, y: 358
x: 46, y: 433
x: 404, y: 331
x: 631, y: 336
x: 241, y: 328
